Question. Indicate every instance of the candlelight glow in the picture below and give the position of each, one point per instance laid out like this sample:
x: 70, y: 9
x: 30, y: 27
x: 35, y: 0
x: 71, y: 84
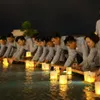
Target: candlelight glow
x: 5, y: 62
x: 63, y: 79
x: 69, y: 77
x: 97, y: 88
x: 45, y: 67
x: 69, y: 70
x: 89, y: 76
x: 53, y: 75
x: 28, y: 54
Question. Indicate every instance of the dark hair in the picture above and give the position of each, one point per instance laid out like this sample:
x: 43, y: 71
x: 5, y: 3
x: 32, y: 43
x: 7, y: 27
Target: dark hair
x: 93, y: 37
x: 69, y: 39
x: 10, y: 35
x: 55, y: 35
x: 35, y: 35
x: 21, y: 38
x: 2, y: 38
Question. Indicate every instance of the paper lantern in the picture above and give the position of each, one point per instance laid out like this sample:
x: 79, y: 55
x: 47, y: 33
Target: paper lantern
x: 45, y: 67
x: 28, y: 54
x: 5, y: 62
x: 53, y: 75
x: 63, y: 79
x: 97, y: 88
x: 69, y: 77
x: 89, y: 76
x: 69, y: 70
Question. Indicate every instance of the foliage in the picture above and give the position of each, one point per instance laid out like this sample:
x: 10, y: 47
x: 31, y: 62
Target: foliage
x: 27, y: 28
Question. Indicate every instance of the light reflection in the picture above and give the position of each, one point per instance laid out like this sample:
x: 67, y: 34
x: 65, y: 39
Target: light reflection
x: 63, y: 91
x: 89, y: 95
x: 54, y: 88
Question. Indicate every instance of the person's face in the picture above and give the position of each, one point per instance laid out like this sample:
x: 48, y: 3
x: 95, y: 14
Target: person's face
x: 43, y: 43
x: 90, y: 43
x: 21, y: 42
x: 2, y: 41
x: 56, y: 41
x: 10, y: 39
x: 50, y: 44
x: 71, y: 45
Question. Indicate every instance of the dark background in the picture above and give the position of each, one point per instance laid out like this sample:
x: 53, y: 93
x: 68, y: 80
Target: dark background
x: 64, y: 16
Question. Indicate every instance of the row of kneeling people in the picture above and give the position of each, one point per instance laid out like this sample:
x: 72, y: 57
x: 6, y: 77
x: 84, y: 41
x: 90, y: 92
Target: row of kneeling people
x: 82, y: 52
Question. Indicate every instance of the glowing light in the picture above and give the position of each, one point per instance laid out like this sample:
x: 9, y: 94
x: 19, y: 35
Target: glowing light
x: 63, y: 79
x: 69, y: 70
x: 28, y: 54
x: 97, y: 88
x: 45, y: 67
x: 53, y: 75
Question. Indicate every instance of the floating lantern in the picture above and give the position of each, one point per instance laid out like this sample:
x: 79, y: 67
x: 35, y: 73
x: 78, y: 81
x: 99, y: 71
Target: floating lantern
x: 45, y: 67
x: 53, y: 75
x: 97, y: 88
x: 28, y: 54
x: 69, y: 70
x: 89, y: 76
x: 5, y: 62
x: 63, y: 79
x: 69, y: 77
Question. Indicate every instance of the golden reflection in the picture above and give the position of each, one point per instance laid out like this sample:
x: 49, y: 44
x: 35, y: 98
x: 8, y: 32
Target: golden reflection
x: 89, y: 94
x: 63, y: 91
x: 54, y: 88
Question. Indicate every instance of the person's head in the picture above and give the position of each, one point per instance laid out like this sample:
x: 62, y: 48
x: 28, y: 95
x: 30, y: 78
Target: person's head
x: 20, y: 40
x: 91, y: 40
x: 38, y: 41
x: 56, y: 38
x: 10, y: 38
x: 49, y: 42
x: 34, y: 36
x: 70, y: 41
x: 3, y: 40
x: 43, y: 41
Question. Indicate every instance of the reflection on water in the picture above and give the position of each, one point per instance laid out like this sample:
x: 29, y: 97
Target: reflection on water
x: 63, y: 91
x: 26, y: 83
x: 89, y: 92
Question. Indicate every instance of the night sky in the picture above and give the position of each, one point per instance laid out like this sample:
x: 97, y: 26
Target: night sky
x: 64, y: 16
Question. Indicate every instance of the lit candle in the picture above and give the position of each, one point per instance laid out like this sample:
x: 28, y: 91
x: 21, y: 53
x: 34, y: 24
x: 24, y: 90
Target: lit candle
x: 69, y: 70
x: 28, y: 54
x: 63, y: 79
x: 97, y: 88
x: 53, y: 75
x: 45, y: 67
x: 5, y: 62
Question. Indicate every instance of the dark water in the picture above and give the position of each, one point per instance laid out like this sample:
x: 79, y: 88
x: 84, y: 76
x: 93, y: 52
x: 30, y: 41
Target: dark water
x: 20, y: 83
